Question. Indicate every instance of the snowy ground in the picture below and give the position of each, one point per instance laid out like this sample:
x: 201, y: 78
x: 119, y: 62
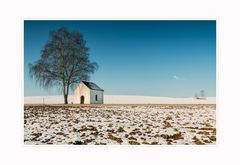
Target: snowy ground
x: 120, y: 124
x: 122, y: 99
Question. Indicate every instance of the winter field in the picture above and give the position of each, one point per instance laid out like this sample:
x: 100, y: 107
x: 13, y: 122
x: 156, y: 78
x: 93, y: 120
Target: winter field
x: 145, y: 124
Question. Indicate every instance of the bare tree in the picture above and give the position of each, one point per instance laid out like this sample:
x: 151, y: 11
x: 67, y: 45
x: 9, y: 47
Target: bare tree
x: 196, y: 96
x: 64, y: 62
x: 202, y: 94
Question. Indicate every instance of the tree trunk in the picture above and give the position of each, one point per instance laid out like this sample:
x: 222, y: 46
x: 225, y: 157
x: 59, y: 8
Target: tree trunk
x: 65, y: 94
x: 65, y: 99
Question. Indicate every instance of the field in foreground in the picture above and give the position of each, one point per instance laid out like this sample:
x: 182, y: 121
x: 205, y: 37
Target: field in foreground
x: 120, y: 124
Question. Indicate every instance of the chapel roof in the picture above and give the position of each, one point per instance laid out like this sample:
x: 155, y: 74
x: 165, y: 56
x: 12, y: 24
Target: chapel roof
x: 92, y: 86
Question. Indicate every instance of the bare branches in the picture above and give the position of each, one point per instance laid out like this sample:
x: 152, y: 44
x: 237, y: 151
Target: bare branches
x: 64, y: 61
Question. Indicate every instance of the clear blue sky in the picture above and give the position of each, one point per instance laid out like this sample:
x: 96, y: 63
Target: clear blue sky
x: 151, y: 58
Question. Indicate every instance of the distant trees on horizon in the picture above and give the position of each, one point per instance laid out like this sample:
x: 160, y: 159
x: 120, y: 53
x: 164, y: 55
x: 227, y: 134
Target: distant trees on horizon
x: 201, y: 96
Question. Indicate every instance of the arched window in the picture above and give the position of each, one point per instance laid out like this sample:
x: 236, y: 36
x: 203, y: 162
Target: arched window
x: 96, y: 98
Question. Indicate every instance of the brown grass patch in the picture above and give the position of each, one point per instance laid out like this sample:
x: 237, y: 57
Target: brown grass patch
x: 36, y: 135
x: 136, y: 131
x: 132, y: 138
x: 197, y: 141
x: 212, y: 138
x: 170, y: 138
x: 133, y: 142
x: 168, y: 118
x: 145, y: 142
x: 110, y: 136
x: 60, y: 133
x: 120, y: 129
x: 154, y: 143
x: 166, y: 124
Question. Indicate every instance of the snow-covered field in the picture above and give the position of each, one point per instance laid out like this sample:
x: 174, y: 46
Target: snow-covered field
x: 122, y: 99
x: 120, y: 124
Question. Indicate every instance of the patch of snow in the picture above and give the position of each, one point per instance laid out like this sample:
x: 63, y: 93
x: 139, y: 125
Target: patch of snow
x: 122, y: 99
